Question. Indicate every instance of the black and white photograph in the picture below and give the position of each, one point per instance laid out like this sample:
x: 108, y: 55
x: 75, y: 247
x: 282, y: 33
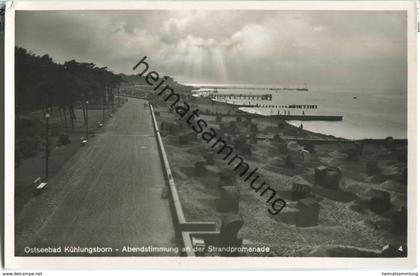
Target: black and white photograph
x: 212, y: 132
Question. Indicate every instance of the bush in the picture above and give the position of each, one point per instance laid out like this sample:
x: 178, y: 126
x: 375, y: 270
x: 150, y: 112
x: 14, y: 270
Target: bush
x: 63, y: 139
x: 25, y: 123
x: 27, y: 137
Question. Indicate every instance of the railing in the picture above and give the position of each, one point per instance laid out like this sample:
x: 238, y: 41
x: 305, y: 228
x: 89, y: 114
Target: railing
x: 183, y: 228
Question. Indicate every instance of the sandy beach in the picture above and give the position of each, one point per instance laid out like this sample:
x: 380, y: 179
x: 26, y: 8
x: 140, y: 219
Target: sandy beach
x: 347, y: 225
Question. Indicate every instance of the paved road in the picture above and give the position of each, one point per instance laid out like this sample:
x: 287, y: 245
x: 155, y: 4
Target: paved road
x: 108, y: 194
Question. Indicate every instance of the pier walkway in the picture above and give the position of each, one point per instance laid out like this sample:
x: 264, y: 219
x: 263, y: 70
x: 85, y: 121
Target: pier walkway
x: 256, y: 97
x: 281, y: 117
x: 107, y: 195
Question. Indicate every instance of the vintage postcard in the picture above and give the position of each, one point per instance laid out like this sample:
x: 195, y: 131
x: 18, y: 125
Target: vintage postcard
x: 210, y: 134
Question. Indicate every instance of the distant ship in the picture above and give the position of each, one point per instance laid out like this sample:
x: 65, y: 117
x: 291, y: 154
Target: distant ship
x: 303, y: 89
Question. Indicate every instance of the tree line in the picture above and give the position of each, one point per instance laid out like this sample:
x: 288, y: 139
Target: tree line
x: 42, y: 83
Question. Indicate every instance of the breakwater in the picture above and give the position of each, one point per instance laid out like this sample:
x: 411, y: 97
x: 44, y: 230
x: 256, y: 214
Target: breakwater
x: 256, y: 97
x: 241, y: 113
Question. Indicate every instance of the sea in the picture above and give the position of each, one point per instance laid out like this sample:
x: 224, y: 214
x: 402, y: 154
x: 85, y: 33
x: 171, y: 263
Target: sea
x: 367, y: 113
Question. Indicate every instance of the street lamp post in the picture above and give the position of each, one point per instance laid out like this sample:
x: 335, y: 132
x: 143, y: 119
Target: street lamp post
x: 87, y: 120
x: 47, y: 117
x: 105, y: 101
x: 103, y: 110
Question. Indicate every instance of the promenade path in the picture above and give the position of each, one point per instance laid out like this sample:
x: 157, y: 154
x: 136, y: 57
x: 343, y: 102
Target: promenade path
x: 107, y: 195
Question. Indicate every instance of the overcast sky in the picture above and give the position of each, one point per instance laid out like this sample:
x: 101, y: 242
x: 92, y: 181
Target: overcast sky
x: 350, y: 49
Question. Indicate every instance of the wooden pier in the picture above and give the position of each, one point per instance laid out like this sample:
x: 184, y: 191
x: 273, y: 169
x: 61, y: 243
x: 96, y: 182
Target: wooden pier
x: 282, y: 117
x: 256, y: 97
x: 275, y: 89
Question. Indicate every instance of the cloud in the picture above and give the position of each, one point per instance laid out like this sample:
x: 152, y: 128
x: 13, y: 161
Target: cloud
x: 350, y: 48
